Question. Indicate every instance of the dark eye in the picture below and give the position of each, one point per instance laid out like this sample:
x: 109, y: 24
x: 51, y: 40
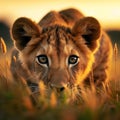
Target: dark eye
x: 42, y: 59
x: 73, y: 59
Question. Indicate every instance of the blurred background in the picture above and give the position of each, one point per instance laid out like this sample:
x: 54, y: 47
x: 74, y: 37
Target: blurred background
x: 106, y: 11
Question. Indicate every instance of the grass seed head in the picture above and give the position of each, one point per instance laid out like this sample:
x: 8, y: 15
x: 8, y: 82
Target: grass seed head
x: 3, y: 46
x: 115, y: 50
x: 14, y: 58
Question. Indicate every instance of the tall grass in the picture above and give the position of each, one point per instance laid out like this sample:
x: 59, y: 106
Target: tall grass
x: 18, y: 102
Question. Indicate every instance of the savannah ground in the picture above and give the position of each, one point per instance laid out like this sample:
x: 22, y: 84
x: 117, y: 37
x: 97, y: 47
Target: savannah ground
x: 18, y: 103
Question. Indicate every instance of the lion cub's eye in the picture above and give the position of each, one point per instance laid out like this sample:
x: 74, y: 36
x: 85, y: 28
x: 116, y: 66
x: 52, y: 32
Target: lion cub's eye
x: 73, y: 59
x: 42, y: 59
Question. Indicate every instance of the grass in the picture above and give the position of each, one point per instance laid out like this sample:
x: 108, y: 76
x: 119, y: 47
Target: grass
x: 17, y: 101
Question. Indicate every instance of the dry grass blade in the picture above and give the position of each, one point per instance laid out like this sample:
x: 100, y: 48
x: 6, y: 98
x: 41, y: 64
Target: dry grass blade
x: 3, y: 46
x: 53, y: 100
x: 42, y: 89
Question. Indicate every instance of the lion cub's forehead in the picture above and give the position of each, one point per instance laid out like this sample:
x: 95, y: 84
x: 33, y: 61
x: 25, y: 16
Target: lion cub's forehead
x: 59, y: 39
x: 57, y: 34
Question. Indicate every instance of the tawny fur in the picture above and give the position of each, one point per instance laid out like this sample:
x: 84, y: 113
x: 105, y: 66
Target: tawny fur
x: 59, y: 35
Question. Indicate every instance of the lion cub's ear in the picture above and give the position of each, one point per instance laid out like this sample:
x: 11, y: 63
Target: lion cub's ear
x: 89, y: 28
x: 23, y: 30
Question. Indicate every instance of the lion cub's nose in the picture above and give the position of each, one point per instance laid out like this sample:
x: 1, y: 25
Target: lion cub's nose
x: 58, y: 88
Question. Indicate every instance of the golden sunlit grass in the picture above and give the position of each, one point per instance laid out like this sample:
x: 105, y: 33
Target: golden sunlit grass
x: 16, y: 99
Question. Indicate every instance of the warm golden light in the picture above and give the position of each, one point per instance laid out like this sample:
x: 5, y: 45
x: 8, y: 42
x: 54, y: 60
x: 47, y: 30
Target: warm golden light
x: 107, y: 11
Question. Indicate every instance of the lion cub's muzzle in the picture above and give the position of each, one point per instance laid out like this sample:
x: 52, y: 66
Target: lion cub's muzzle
x: 59, y: 80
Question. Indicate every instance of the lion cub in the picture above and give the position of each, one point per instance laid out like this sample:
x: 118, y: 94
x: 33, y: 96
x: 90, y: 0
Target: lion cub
x: 63, y: 50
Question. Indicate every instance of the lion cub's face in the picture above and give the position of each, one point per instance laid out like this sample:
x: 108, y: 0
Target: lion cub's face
x: 58, y: 56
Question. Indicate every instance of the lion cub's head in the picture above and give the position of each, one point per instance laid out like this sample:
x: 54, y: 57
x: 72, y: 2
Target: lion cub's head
x: 61, y: 57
